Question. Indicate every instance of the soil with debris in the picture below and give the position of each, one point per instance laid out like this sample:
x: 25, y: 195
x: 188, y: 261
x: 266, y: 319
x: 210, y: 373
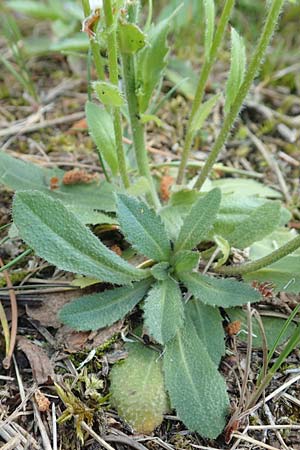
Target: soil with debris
x: 265, y: 142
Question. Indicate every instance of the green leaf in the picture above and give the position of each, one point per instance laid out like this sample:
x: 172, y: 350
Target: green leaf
x: 285, y: 273
x: 89, y: 217
x: 101, y: 129
x: 151, y: 63
x: 160, y: 271
x: 261, y: 222
x: 209, y: 11
x: 143, y: 228
x: 20, y: 175
x: 137, y: 389
x: 108, y: 93
x: 131, y: 38
x: 203, y: 112
x: 34, y: 9
x: 196, y: 389
x: 198, y: 222
x: 272, y: 328
x: 92, y: 312
x: 208, y: 324
x: 219, y: 292
x: 185, y: 261
x: 237, y: 68
x: 58, y: 236
x: 163, y: 311
x: 224, y: 246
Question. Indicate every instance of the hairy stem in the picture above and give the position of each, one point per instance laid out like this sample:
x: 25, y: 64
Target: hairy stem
x: 267, y: 260
x: 137, y: 127
x: 94, y: 45
x: 208, y: 63
x: 114, y: 78
x: 257, y: 58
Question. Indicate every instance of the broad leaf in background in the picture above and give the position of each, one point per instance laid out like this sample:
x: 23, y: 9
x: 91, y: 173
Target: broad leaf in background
x: 260, y: 223
x: 101, y: 129
x: 272, y: 328
x: 143, y: 228
x: 58, y: 236
x: 92, y: 312
x: 163, y: 311
x: 90, y: 217
x: 197, y: 391
x: 208, y: 324
x: 198, y: 222
x: 137, y: 389
x: 245, y: 187
x: 35, y: 9
x: 131, y: 38
x: 209, y: 12
x: 285, y: 273
x: 151, y: 62
x: 219, y: 292
x: 20, y: 175
x: 237, y: 68
x: 108, y: 93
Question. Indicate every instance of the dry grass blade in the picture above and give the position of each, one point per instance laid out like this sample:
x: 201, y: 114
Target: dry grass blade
x: 246, y: 438
x: 14, y: 319
x: 96, y: 437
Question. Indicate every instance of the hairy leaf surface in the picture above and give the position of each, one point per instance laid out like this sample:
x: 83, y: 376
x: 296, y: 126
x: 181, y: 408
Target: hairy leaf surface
x: 237, y: 68
x: 137, y: 389
x: 151, y: 62
x: 208, y: 324
x: 92, y: 312
x: 163, y: 311
x: 198, y: 222
x: 196, y: 389
x: 101, y: 129
x: 219, y: 292
x: 58, y: 236
x: 143, y: 228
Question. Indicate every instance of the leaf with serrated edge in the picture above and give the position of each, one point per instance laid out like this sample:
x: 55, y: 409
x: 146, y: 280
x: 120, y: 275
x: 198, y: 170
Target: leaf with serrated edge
x: 208, y: 324
x: 185, y: 261
x: 218, y: 292
x: 163, y: 311
x: 198, y: 222
x: 95, y: 311
x: 143, y: 228
x: 101, y: 128
x: 58, y: 236
x: 137, y: 389
x: 196, y: 389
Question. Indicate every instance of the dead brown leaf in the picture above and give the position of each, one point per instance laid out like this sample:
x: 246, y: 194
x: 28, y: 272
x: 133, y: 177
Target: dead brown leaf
x: 41, y: 367
x: 74, y: 341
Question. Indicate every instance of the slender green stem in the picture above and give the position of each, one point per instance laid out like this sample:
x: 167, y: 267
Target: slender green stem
x: 94, y: 45
x: 137, y: 127
x: 208, y: 63
x: 252, y: 266
x: 16, y: 260
x: 254, y: 65
x: 114, y: 78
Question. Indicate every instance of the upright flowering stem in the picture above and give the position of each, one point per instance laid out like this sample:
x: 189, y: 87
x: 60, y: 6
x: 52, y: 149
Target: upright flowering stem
x: 208, y: 63
x: 137, y: 127
x: 257, y: 58
x: 114, y: 78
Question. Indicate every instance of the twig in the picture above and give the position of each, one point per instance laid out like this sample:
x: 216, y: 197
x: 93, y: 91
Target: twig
x: 54, y: 427
x: 24, y: 129
x: 14, y: 319
x: 253, y: 441
x: 273, y: 427
x: 44, y: 435
x: 96, y: 437
x: 272, y: 423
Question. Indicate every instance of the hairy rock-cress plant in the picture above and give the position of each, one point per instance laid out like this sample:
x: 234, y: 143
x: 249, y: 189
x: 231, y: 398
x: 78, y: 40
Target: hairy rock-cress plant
x: 202, y: 222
